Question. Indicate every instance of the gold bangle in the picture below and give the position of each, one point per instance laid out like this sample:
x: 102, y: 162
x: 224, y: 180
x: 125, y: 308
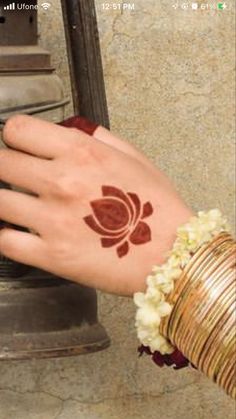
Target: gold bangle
x: 228, y: 381
x: 210, y: 321
x: 198, y: 315
x: 201, y: 323
x: 191, y: 271
x: 216, y: 348
x: 180, y: 283
x: 225, y: 301
x: 189, y: 310
x: 223, y: 362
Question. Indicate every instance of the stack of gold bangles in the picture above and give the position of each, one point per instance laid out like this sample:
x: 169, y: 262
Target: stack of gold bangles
x: 202, y: 322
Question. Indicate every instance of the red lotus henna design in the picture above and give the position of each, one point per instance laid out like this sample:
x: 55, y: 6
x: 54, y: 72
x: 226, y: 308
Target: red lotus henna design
x: 117, y: 217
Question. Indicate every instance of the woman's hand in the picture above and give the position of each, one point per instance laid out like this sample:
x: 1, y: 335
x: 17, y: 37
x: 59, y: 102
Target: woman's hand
x: 98, y: 212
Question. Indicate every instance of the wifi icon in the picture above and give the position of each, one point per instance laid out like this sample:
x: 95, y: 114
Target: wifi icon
x: 46, y: 6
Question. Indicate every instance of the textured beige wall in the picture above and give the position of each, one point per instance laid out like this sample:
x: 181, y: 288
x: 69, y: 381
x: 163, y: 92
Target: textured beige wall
x: 169, y: 78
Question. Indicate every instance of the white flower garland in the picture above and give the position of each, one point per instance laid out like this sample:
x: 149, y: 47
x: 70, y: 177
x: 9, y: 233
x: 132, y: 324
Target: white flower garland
x: 152, y: 305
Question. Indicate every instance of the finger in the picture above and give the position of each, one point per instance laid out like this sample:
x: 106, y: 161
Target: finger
x: 102, y: 134
x: 106, y: 136
x: 23, y: 171
x: 22, y: 247
x: 98, y: 132
x: 20, y: 209
x: 36, y: 136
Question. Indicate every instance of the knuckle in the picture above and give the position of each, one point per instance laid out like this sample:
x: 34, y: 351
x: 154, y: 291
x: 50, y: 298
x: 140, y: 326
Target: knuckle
x: 84, y: 149
x: 64, y: 186
x: 72, y: 147
x: 85, y: 153
x: 69, y: 146
x: 90, y: 153
x: 59, y: 252
x: 79, y: 151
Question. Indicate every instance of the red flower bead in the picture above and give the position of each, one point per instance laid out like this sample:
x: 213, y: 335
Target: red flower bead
x: 176, y: 358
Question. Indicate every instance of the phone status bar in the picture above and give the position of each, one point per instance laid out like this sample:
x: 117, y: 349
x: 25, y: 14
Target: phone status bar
x: 219, y: 6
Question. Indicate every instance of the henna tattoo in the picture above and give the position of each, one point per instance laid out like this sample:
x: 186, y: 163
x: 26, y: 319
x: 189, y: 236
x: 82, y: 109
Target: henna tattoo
x: 117, y: 217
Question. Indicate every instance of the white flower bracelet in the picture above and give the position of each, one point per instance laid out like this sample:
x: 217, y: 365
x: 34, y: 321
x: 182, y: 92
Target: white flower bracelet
x: 152, y: 305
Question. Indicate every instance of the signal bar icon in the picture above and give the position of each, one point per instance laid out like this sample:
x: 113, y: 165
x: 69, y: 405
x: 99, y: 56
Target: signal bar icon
x: 11, y: 6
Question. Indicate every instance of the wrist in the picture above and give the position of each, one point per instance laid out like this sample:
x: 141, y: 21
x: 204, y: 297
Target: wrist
x: 164, y: 233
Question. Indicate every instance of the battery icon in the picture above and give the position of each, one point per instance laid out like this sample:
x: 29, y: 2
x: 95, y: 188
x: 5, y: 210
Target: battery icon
x: 221, y: 6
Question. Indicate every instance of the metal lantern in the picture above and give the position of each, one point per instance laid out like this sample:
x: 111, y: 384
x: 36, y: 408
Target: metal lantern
x: 42, y: 315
